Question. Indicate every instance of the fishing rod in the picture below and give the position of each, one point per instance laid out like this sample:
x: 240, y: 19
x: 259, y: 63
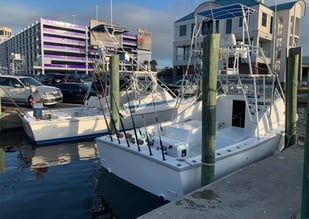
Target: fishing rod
x: 149, y: 144
x: 158, y: 128
x: 110, y: 112
x: 121, y: 122
x: 105, y: 119
x: 133, y: 122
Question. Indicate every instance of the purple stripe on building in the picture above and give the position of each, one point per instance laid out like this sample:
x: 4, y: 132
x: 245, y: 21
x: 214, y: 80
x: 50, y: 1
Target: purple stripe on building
x: 56, y: 39
x: 65, y: 57
x: 63, y: 24
x: 129, y: 34
x: 63, y: 32
x: 64, y: 48
x: 67, y: 66
x: 129, y: 42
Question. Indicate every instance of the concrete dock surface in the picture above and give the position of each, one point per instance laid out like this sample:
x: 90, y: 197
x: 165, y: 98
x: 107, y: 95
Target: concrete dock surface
x: 271, y: 188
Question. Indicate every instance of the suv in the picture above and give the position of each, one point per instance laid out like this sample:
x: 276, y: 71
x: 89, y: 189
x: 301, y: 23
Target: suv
x: 52, y: 79
x: 17, y: 88
x: 74, y: 92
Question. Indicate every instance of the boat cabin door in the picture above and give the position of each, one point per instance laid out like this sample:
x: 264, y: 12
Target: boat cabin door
x: 238, y: 113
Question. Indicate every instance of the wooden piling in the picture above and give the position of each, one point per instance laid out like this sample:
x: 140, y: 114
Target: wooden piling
x: 114, y: 94
x: 209, y: 95
x: 293, y: 64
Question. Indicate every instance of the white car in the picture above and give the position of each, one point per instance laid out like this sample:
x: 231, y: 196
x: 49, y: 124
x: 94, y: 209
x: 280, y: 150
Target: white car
x: 17, y: 88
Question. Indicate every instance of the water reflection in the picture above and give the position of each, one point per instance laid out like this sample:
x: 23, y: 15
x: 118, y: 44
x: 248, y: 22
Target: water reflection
x: 64, y: 181
x: 38, y: 159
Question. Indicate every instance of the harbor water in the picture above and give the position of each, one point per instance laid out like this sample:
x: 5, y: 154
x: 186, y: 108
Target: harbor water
x: 66, y: 181
x: 63, y: 181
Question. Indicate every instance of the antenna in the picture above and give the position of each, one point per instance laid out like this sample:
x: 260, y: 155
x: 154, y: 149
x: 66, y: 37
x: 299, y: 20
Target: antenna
x: 96, y: 12
x: 111, y: 12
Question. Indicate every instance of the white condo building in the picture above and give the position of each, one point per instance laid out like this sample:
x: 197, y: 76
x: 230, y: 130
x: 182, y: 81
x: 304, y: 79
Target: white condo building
x: 274, y: 28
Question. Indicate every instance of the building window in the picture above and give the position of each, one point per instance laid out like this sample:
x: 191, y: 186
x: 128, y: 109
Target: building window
x: 228, y: 28
x: 208, y: 27
x: 182, y: 30
x: 241, y: 20
x: 179, y: 53
x: 271, y: 24
x: 192, y: 29
x: 264, y: 19
x: 187, y: 52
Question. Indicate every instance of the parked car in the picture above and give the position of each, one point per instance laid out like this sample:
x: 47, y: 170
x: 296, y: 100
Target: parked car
x: 53, y: 79
x: 17, y: 88
x: 188, y: 87
x: 74, y: 92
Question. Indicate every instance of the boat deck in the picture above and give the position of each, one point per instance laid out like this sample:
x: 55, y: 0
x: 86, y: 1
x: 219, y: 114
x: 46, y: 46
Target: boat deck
x: 227, y: 136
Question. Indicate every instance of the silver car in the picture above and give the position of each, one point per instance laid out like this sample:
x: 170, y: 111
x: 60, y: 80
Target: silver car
x: 16, y: 88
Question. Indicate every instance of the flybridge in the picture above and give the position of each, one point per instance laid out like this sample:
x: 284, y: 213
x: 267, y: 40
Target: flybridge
x: 227, y: 12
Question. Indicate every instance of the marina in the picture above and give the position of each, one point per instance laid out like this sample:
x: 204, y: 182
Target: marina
x: 75, y: 185
x: 227, y: 139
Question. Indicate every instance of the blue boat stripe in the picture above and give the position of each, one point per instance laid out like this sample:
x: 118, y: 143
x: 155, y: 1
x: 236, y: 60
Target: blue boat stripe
x: 150, y: 104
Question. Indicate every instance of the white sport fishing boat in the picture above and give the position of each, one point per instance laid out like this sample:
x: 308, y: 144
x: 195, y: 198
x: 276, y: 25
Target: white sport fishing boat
x: 166, y: 158
x: 93, y: 118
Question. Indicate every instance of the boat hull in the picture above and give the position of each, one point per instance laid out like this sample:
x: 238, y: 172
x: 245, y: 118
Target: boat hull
x: 178, y: 177
x: 65, y: 129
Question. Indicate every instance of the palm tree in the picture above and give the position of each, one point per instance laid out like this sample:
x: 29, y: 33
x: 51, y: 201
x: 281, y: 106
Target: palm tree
x: 153, y: 64
x: 146, y: 64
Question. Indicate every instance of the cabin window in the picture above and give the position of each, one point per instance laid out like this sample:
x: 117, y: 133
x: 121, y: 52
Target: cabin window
x: 238, y: 113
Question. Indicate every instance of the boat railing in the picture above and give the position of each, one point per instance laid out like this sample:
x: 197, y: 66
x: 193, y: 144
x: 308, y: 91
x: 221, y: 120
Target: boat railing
x: 258, y: 91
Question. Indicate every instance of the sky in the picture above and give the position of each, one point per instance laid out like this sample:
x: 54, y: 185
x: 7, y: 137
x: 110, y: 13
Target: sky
x: 157, y: 16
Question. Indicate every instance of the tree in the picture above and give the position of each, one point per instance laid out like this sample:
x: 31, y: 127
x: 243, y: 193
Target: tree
x: 153, y: 65
x: 146, y: 64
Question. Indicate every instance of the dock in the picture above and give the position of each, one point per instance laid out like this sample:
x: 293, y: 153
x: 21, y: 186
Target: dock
x: 270, y: 188
x: 9, y: 119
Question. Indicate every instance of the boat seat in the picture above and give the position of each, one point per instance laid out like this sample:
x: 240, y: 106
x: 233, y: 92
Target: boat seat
x: 185, y: 132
